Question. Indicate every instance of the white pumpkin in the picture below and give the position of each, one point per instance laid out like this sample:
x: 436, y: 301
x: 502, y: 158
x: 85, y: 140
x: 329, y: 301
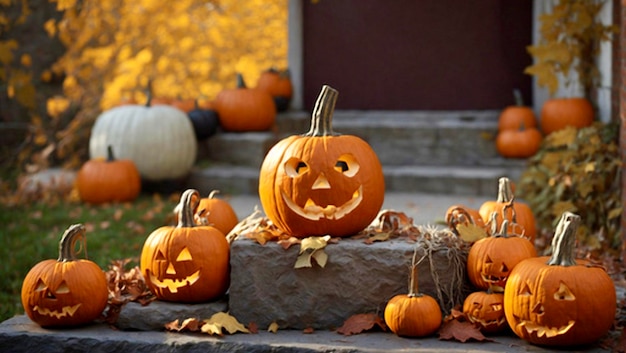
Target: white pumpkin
x: 159, y: 139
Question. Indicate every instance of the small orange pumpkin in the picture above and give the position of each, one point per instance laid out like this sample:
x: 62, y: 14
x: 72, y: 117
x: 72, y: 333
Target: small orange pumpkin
x: 278, y: 84
x: 520, y: 143
x: 485, y: 309
x: 560, y: 300
x: 413, y: 314
x: 558, y: 113
x: 245, y: 109
x: 68, y: 291
x: 519, y: 214
x: 515, y: 116
x: 217, y: 213
x: 321, y: 182
x: 186, y: 263
x: 99, y: 180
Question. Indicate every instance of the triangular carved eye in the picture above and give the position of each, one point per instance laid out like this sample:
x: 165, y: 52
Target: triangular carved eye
x: 564, y: 293
x: 184, y: 255
x: 63, y: 288
x: 477, y: 306
x: 160, y: 256
x: 488, y: 260
x: 41, y: 286
x: 526, y: 290
x: 504, y: 268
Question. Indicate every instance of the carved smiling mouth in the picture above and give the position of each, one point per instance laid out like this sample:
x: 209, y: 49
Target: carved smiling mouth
x: 173, y: 284
x: 314, y: 212
x: 65, y: 311
x: 545, y: 330
x: 487, y: 323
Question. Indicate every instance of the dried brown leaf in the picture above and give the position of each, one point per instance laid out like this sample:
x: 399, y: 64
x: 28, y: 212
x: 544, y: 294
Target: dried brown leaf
x: 359, y: 323
x: 461, y: 331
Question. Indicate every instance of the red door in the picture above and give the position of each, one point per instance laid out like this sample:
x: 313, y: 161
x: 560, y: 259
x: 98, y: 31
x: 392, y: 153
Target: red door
x: 417, y: 54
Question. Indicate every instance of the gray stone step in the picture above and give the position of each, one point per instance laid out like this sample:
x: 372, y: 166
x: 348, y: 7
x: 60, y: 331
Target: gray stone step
x: 458, y: 180
x: 432, y: 152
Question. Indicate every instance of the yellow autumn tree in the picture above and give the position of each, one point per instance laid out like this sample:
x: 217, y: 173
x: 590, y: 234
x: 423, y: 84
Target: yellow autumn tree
x: 116, y: 49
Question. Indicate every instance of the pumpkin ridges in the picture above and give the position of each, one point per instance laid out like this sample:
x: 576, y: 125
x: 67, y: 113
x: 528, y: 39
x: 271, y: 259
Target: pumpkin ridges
x: 217, y: 213
x: 577, y: 299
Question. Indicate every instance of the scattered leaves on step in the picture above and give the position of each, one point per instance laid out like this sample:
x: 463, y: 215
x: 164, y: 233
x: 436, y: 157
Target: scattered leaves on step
x: 361, y: 322
x: 258, y: 228
x: 125, y: 285
x: 273, y: 327
x: 312, y: 248
x: 213, y: 326
x: 389, y: 224
x: 377, y: 237
x: 287, y: 243
x: 470, y: 232
x: 253, y: 327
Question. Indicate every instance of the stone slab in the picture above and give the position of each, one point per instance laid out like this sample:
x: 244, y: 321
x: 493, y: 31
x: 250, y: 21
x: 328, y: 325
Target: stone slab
x: 19, y: 334
x: 154, y: 316
x: 358, y: 278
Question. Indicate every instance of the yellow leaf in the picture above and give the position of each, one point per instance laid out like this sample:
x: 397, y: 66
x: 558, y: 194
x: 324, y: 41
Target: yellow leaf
x: 312, y: 247
x: 212, y: 329
x: 223, y: 320
x: 614, y: 213
x: 6, y: 51
x: 50, y: 27
x: 470, y: 232
x: 26, y: 60
x: 273, y: 327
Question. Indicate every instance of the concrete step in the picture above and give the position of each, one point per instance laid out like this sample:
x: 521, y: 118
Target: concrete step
x: 457, y: 180
x: 432, y: 152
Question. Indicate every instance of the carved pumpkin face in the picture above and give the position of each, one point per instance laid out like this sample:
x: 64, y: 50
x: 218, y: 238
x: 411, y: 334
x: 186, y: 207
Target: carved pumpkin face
x: 186, y: 263
x: 321, y: 183
x: 490, y: 260
x: 64, y: 292
x: 486, y: 310
x: 559, y: 305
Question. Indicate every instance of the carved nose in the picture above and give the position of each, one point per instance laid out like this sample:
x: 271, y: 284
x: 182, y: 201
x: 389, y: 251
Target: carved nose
x: 321, y: 182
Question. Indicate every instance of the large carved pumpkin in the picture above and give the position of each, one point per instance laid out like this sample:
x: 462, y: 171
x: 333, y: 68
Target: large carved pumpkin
x: 321, y: 182
x: 68, y: 291
x: 186, y: 263
x: 559, y: 300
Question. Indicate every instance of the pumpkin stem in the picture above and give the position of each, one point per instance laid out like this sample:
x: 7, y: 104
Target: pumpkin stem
x: 413, y: 283
x: 564, y: 240
x: 322, y: 117
x: 517, y: 95
x: 186, y: 208
x: 213, y: 193
x: 505, y: 192
x: 240, y: 81
x: 110, y: 156
x: 67, y: 245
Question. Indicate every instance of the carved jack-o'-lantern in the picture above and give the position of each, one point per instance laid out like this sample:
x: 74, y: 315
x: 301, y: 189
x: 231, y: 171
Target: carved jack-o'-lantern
x: 321, y: 182
x: 490, y: 260
x: 68, y: 291
x: 485, y: 309
x: 186, y: 263
x: 559, y: 300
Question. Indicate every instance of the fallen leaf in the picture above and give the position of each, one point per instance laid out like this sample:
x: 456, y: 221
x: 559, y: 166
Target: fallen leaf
x: 287, y: 243
x: 361, y: 322
x: 273, y: 327
x: 226, y: 321
x: 312, y: 247
x: 377, y: 237
x: 461, y: 331
x: 253, y: 327
x: 470, y: 232
x: 308, y: 330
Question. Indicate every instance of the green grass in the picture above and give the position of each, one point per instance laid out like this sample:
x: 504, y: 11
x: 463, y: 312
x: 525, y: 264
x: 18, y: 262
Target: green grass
x: 31, y: 233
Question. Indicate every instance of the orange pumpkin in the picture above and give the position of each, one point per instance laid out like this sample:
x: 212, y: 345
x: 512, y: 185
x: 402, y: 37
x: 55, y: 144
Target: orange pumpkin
x: 491, y: 259
x: 515, y: 116
x: 516, y: 212
x: 558, y: 113
x: 559, y: 300
x: 485, y: 309
x: 68, y: 291
x: 278, y: 84
x: 99, y: 180
x: 245, y: 109
x: 321, y: 182
x: 186, y: 263
x: 519, y: 143
x: 217, y: 213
